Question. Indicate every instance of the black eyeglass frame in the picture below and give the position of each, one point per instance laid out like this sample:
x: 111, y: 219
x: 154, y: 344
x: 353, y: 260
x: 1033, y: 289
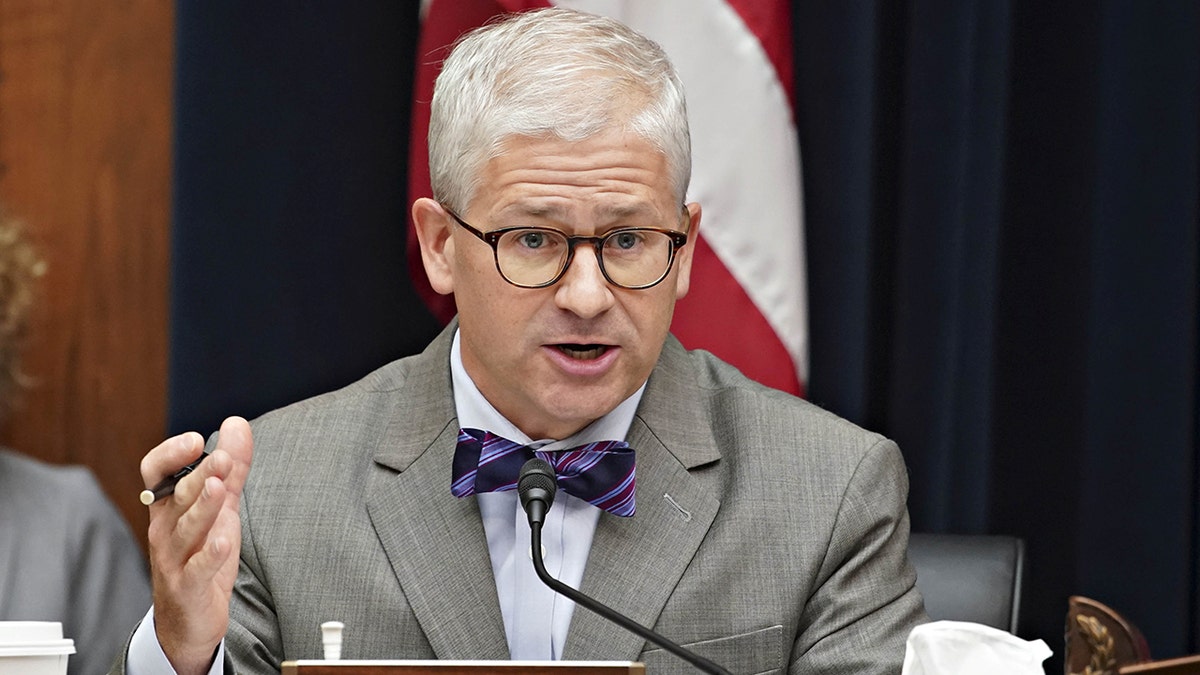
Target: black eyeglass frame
x: 492, y: 238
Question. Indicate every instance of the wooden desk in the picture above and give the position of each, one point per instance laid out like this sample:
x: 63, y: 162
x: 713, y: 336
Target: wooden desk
x: 1186, y: 665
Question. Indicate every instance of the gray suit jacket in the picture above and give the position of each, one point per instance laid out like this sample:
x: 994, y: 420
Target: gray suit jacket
x: 67, y: 555
x: 770, y: 536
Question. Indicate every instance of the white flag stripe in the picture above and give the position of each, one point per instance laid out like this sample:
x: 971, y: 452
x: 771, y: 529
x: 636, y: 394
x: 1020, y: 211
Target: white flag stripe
x: 746, y: 165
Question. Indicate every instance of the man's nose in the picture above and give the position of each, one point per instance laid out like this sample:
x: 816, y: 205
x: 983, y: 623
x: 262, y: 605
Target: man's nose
x: 583, y: 290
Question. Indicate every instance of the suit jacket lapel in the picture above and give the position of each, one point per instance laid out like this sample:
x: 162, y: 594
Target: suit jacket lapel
x: 434, y: 541
x: 635, y: 563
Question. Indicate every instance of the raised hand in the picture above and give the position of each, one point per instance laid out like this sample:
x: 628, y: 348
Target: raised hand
x: 195, y: 536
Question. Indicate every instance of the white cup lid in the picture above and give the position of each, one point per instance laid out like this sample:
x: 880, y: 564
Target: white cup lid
x: 54, y: 648
x: 24, y: 632
x: 33, y: 638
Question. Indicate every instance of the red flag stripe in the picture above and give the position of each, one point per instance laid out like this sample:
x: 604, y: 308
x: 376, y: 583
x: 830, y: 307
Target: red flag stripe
x: 741, y: 335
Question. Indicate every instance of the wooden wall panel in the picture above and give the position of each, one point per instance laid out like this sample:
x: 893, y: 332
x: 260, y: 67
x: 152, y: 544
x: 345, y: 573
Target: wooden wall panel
x: 85, y: 140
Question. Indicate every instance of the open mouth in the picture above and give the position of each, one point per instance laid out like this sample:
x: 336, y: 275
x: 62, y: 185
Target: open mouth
x: 583, y: 352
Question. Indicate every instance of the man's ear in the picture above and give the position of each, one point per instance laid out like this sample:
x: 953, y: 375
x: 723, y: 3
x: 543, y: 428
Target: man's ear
x: 683, y: 258
x: 433, y: 227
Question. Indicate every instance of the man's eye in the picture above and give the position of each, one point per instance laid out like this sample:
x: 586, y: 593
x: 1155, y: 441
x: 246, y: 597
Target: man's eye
x: 532, y: 239
x: 626, y: 240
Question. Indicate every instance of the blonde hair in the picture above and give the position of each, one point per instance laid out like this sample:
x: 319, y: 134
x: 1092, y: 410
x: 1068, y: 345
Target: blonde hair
x: 20, y: 267
x: 552, y: 72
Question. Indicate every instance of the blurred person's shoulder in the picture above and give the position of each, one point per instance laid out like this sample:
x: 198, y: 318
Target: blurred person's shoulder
x: 41, y: 490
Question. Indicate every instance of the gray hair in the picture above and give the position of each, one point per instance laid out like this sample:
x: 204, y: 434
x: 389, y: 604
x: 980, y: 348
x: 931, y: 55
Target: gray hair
x: 551, y: 73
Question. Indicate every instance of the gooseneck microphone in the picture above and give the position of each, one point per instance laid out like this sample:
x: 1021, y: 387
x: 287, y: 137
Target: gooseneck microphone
x: 536, y: 487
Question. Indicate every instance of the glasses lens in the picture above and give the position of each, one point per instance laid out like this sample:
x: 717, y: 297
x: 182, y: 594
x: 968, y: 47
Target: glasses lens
x: 531, y: 257
x: 636, y: 258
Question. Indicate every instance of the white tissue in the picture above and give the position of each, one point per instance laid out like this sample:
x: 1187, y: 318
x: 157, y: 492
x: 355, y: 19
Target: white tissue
x: 954, y: 647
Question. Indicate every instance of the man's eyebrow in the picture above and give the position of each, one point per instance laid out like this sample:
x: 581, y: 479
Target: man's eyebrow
x: 534, y: 210
x: 623, y: 211
x: 545, y: 211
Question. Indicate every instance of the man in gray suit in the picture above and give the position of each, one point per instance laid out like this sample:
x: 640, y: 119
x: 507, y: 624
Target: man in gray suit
x: 766, y: 535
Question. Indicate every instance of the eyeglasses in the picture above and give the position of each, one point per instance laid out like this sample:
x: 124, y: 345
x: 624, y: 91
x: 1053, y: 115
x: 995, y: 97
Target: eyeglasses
x: 536, y: 257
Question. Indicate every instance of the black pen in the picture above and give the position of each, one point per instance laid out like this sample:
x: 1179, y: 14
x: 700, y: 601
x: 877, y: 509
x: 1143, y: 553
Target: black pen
x: 167, y: 486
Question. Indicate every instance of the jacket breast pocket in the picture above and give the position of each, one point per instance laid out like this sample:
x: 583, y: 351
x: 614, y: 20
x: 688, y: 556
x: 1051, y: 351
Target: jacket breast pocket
x: 758, y: 652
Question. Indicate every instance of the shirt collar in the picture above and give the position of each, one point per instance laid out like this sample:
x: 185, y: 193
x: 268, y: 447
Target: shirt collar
x: 475, y: 412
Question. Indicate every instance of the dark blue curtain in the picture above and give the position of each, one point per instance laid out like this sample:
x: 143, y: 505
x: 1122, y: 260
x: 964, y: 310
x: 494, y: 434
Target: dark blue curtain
x: 1002, y: 224
x: 1002, y: 208
x: 291, y: 146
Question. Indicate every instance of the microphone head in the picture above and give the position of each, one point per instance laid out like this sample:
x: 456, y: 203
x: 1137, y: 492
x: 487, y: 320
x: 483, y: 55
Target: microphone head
x: 537, y: 482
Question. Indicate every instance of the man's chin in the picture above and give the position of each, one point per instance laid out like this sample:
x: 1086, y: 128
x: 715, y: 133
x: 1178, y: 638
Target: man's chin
x: 568, y: 413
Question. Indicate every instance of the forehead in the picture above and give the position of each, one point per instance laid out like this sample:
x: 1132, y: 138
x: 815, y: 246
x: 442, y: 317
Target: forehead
x: 615, y: 173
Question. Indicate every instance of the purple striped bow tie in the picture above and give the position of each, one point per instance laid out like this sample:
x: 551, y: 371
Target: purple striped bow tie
x: 599, y: 473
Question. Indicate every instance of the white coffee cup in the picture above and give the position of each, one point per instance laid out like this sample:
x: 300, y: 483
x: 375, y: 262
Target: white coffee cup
x: 33, y: 648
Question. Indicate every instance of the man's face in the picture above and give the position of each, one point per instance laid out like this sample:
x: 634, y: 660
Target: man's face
x: 554, y: 359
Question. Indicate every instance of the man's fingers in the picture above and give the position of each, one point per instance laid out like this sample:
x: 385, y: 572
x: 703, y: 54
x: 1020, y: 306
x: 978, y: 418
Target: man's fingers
x: 236, y: 440
x: 217, y: 466
x: 230, y: 462
x: 195, y: 524
x: 208, y: 560
x: 170, y: 456
x: 202, y: 512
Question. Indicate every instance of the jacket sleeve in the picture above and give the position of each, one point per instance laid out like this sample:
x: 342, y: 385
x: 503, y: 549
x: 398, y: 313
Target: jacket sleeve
x: 866, y: 601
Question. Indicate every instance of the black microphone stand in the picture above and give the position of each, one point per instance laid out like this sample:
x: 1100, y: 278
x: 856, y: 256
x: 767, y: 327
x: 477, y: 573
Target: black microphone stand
x: 535, y: 533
